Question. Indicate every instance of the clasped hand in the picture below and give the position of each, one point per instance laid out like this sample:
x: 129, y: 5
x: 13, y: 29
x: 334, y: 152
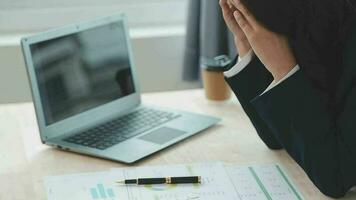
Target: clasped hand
x: 271, y: 48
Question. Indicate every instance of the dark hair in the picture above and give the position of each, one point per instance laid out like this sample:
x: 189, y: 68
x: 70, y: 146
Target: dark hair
x: 316, y: 30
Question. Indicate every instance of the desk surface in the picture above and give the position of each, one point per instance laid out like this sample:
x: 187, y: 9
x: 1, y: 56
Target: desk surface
x: 25, y: 161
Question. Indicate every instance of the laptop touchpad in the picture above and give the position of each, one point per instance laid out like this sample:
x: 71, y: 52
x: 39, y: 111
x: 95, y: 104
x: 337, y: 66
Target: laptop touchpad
x: 162, y: 135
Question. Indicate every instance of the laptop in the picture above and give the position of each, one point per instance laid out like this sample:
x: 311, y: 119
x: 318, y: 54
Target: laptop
x: 87, y: 97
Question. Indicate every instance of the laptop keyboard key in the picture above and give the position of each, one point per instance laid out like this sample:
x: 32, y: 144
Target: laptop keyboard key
x: 121, y: 129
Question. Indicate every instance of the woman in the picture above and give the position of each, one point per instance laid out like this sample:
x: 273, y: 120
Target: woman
x: 295, y: 78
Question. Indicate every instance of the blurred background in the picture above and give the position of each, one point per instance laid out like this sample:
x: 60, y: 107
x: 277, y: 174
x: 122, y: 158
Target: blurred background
x: 158, y: 30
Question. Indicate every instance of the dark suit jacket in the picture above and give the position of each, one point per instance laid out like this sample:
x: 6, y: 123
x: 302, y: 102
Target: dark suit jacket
x: 293, y: 116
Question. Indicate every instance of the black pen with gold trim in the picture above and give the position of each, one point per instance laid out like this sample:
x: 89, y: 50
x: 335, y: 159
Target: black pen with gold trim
x: 166, y: 180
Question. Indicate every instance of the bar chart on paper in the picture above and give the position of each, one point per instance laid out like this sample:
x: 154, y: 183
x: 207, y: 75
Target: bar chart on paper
x: 100, y: 192
x: 93, y: 186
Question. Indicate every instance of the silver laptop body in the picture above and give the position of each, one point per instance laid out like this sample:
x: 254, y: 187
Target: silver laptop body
x: 87, y: 97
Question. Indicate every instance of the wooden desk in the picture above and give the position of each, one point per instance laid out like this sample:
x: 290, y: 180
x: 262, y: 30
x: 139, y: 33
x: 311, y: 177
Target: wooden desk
x: 25, y: 161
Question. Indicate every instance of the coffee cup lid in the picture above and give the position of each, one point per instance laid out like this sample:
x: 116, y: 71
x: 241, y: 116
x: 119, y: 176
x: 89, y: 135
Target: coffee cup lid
x: 218, y: 63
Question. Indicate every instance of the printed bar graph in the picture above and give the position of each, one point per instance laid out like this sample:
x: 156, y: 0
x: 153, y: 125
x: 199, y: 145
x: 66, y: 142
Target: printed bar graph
x: 101, y: 193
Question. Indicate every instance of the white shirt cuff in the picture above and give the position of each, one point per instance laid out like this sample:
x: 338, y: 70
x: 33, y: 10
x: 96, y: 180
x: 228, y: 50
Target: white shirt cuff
x: 240, y: 65
x: 274, y: 83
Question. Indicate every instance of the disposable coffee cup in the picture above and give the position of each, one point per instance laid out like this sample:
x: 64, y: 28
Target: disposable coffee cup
x: 215, y: 86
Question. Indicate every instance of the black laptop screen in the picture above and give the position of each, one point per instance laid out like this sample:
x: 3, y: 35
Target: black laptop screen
x: 81, y: 71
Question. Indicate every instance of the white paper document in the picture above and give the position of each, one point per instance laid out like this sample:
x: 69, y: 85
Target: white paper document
x: 219, y: 182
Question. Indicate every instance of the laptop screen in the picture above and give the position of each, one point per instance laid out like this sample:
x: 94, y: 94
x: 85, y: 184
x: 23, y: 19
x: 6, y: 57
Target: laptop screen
x: 81, y: 71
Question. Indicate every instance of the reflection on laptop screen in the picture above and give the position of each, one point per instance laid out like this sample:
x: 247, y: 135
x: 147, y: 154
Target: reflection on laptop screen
x: 81, y: 71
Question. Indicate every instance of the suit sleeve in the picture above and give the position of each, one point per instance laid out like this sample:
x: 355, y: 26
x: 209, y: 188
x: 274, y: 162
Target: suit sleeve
x: 320, y: 144
x: 248, y: 84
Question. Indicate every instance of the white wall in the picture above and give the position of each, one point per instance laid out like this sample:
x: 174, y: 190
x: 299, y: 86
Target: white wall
x: 38, y: 15
x: 157, y: 30
x: 158, y: 60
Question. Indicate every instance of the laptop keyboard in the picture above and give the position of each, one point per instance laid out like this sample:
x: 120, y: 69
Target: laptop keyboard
x: 121, y: 129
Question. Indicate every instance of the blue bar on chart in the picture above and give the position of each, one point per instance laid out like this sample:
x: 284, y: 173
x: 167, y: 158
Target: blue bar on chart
x: 111, y: 193
x: 101, y: 191
x: 94, y: 193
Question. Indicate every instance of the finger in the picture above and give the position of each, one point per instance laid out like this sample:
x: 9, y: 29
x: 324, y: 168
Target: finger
x: 224, y: 4
x: 225, y: 7
x: 231, y: 5
x: 228, y: 16
x: 245, y: 12
x: 243, y: 23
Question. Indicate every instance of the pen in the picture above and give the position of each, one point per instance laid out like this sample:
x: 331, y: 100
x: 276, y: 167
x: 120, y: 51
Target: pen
x: 166, y: 180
